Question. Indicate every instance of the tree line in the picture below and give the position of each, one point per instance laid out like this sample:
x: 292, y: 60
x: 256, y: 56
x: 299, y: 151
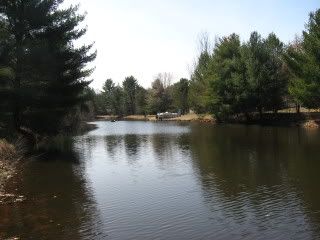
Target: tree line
x: 130, y: 98
x: 44, y: 86
x: 231, y: 78
x: 259, y: 75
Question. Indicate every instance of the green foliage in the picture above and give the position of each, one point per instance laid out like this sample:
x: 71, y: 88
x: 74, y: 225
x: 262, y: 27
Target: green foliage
x: 277, y: 74
x: 265, y: 71
x: 130, y: 85
x: 228, y: 86
x: 132, y: 98
x: 303, y: 58
x: 141, y: 101
x: 48, y: 72
x: 108, y: 94
x: 242, y: 78
x: 180, y: 95
x: 110, y: 101
x: 99, y: 104
x: 160, y: 99
x: 116, y: 100
x: 199, y: 86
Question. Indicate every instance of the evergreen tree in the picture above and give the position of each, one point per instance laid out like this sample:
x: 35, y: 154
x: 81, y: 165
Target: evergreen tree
x: 199, y: 86
x: 249, y: 77
x: 277, y: 74
x: 255, y: 57
x: 49, y: 71
x: 108, y: 96
x: 141, y: 100
x: 180, y: 95
x: 296, y: 86
x: 266, y: 74
x: 130, y: 85
x: 229, y: 88
x: 304, y: 62
x: 118, y: 101
x: 111, y: 99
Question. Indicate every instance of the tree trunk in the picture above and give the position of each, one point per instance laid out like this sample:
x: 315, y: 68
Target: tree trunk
x: 298, y: 108
x: 260, y: 112
x: 247, y: 115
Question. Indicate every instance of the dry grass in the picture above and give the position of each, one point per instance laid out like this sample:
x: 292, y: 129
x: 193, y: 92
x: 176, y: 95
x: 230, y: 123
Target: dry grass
x: 106, y: 117
x: 8, y: 151
x: 140, y: 118
x: 192, y: 117
x: 302, y: 110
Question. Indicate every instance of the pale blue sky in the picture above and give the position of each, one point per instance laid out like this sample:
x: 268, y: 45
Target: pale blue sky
x: 145, y: 37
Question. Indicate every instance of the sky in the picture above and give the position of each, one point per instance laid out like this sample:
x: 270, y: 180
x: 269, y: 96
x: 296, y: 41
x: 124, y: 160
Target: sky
x: 145, y: 37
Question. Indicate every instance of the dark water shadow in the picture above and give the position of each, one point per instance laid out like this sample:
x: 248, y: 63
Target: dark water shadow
x: 58, y: 202
x: 257, y: 172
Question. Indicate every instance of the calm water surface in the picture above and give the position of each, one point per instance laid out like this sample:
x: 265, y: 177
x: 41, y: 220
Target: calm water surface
x: 143, y: 180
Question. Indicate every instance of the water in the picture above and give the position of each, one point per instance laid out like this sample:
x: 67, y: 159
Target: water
x: 143, y: 180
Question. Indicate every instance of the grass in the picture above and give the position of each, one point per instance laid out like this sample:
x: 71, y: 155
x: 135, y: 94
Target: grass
x: 140, y: 118
x: 193, y: 117
x: 302, y: 110
x: 190, y: 117
x: 8, y: 151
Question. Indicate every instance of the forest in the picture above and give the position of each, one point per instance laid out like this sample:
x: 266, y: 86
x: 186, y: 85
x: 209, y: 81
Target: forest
x: 45, y: 78
x: 231, y: 77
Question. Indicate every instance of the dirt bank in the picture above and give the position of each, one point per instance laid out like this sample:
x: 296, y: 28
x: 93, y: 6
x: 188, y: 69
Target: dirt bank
x: 184, y: 118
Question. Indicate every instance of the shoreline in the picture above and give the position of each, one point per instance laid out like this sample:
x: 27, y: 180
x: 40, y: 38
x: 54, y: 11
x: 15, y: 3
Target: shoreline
x: 304, y: 120
x: 207, y: 118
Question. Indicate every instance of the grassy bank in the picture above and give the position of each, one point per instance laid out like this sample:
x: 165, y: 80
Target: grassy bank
x: 310, y: 120
x: 306, y: 119
x: 192, y: 117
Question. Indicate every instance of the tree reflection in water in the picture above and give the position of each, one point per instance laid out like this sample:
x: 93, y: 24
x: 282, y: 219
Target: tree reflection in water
x: 259, y: 175
x: 58, y: 202
x: 182, y: 182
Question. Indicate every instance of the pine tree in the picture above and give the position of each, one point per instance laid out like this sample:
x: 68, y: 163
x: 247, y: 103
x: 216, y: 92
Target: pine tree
x: 49, y: 70
x: 277, y: 74
x: 228, y: 83
x: 108, y: 95
x: 303, y: 59
x: 180, y: 95
x: 130, y: 85
x: 199, y: 86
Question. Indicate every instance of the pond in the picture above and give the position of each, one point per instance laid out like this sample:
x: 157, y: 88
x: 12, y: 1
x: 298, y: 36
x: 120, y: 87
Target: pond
x: 156, y: 180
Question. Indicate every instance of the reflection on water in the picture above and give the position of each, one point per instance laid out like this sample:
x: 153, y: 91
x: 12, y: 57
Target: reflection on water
x: 264, y: 180
x: 58, y: 204
x: 143, y: 180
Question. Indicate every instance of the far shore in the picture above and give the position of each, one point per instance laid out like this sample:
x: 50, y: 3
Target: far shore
x: 308, y: 120
x: 191, y: 117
